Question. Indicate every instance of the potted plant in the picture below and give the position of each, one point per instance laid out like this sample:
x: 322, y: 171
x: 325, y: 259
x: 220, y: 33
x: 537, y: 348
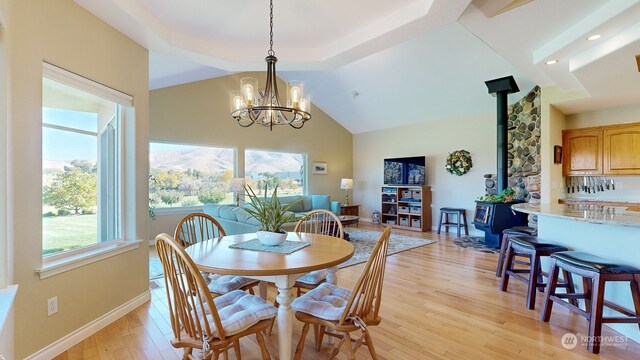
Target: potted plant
x: 507, y: 195
x: 271, y: 215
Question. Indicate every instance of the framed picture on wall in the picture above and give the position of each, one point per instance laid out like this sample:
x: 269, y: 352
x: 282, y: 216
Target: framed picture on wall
x: 557, y: 154
x: 319, y: 168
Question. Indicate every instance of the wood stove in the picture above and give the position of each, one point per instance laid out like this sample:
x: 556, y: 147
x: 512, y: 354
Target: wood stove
x: 493, y: 218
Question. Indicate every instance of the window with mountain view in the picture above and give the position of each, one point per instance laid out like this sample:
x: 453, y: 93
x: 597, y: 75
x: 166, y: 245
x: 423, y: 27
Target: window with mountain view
x: 81, y: 162
x: 269, y: 168
x: 189, y: 175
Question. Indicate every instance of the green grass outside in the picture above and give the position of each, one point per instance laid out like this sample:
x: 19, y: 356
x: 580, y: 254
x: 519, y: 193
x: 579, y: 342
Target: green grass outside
x: 61, y: 233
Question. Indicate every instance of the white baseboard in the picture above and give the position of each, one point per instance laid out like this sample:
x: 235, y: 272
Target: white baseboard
x: 66, y: 342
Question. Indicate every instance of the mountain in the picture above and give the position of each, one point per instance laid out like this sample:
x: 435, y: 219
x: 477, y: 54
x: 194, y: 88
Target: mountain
x: 212, y: 160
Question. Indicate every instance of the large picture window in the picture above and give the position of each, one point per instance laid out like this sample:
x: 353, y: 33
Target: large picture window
x: 189, y: 175
x: 266, y: 169
x: 81, y: 168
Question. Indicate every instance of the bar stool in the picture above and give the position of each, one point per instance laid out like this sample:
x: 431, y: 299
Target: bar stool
x: 461, y: 214
x: 506, y: 235
x: 595, y: 272
x: 530, y: 247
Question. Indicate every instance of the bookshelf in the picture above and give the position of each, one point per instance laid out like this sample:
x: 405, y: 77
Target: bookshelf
x: 406, y: 207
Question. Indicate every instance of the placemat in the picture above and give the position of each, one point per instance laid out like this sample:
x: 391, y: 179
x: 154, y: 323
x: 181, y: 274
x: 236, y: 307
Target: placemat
x: 287, y: 247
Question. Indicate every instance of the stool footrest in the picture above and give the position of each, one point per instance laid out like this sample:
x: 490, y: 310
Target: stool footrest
x: 556, y: 299
x: 621, y: 320
x: 620, y: 309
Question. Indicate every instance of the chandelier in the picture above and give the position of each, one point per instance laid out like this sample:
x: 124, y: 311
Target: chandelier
x: 249, y: 106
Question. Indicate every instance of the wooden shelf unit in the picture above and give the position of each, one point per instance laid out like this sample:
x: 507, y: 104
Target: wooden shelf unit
x: 406, y: 207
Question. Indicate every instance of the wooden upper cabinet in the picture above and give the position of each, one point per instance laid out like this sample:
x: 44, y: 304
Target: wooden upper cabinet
x: 622, y: 149
x: 582, y: 152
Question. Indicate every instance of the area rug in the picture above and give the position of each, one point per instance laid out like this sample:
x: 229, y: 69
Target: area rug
x: 362, y: 240
x: 477, y: 243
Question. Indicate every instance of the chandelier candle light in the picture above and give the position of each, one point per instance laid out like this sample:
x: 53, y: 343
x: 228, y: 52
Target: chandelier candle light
x: 249, y: 106
x: 346, y: 184
x: 237, y: 185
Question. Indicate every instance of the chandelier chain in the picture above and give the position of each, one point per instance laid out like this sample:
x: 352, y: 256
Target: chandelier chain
x: 271, y: 52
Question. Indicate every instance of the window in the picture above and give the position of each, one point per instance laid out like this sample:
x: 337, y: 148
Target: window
x: 270, y: 168
x: 189, y: 175
x: 81, y: 163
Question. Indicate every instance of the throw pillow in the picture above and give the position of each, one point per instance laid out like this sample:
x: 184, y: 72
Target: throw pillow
x: 320, y: 202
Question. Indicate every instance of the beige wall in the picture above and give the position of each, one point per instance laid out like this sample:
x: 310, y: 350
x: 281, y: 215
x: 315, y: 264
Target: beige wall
x: 62, y: 33
x: 198, y: 113
x: 435, y: 140
x: 552, y: 124
x: 610, y: 116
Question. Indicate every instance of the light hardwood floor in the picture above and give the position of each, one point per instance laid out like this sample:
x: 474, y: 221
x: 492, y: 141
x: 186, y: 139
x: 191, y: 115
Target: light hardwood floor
x: 439, y: 302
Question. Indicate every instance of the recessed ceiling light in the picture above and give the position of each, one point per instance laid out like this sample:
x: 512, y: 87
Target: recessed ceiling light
x: 594, y: 37
x: 551, y: 62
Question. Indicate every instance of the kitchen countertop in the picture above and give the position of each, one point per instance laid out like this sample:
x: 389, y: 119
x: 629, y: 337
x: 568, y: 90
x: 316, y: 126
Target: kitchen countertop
x: 595, y: 214
x: 585, y: 201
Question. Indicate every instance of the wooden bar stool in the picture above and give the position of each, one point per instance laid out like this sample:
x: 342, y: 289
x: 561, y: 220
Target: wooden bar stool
x: 530, y: 247
x: 506, y: 235
x: 461, y: 214
x: 595, y: 272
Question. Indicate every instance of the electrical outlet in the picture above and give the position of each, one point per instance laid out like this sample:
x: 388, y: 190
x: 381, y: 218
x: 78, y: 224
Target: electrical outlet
x: 52, y: 306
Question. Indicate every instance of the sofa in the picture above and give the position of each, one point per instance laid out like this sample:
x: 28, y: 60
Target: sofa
x: 236, y: 220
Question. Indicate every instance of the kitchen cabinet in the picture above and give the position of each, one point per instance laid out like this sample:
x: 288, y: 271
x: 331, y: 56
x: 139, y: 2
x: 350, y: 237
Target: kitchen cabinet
x: 622, y: 150
x: 603, y: 150
x: 582, y: 152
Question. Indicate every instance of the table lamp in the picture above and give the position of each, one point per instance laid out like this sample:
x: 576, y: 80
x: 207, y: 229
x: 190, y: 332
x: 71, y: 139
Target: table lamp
x: 237, y: 185
x: 346, y: 184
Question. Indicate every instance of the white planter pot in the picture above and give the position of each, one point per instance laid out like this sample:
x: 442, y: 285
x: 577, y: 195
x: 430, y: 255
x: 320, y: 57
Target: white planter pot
x: 271, y: 238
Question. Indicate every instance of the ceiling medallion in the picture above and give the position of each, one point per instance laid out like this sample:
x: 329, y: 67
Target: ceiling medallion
x: 250, y: 106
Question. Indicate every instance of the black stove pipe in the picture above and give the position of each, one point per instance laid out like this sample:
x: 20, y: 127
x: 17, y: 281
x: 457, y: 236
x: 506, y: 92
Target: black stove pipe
x: 500, y: 88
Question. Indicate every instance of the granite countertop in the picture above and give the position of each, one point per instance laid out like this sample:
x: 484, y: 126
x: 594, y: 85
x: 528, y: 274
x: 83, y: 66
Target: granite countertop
x: 586, y: 201
x: 596, y: 214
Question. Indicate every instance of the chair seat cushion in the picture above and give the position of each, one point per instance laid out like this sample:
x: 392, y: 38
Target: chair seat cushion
x: 521, y: 230
x: 239, y: 311
x: 327, y: 302
x: 531, y: 242
x: 593, y: 263
x: 222, y: 284
x: 313, y: 277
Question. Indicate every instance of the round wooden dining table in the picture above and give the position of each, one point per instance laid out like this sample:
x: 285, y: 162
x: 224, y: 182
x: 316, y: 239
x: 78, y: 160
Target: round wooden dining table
x: 324, y: 252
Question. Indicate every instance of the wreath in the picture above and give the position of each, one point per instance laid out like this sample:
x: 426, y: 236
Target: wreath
x: 459, y: 162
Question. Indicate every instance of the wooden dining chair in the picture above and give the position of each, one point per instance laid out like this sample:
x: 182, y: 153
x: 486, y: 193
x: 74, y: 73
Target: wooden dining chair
x: 203, y: 326
x: 345, y: 311
x: 317, y: 222
x: 197, y: 227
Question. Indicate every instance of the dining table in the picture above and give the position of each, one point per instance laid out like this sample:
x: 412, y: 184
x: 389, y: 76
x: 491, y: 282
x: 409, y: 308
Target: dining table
x: 323, y: 252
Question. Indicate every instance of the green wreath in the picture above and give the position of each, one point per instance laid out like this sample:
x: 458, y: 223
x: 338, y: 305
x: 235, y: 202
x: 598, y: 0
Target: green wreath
x: 459, y: 162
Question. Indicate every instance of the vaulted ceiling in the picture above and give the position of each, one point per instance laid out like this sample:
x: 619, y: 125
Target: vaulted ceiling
x: 376, y: 64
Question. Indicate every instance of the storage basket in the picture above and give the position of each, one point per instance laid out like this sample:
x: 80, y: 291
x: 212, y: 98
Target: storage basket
x: 404, y: 221
x: 403, y: 209
x: 415, y: 223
